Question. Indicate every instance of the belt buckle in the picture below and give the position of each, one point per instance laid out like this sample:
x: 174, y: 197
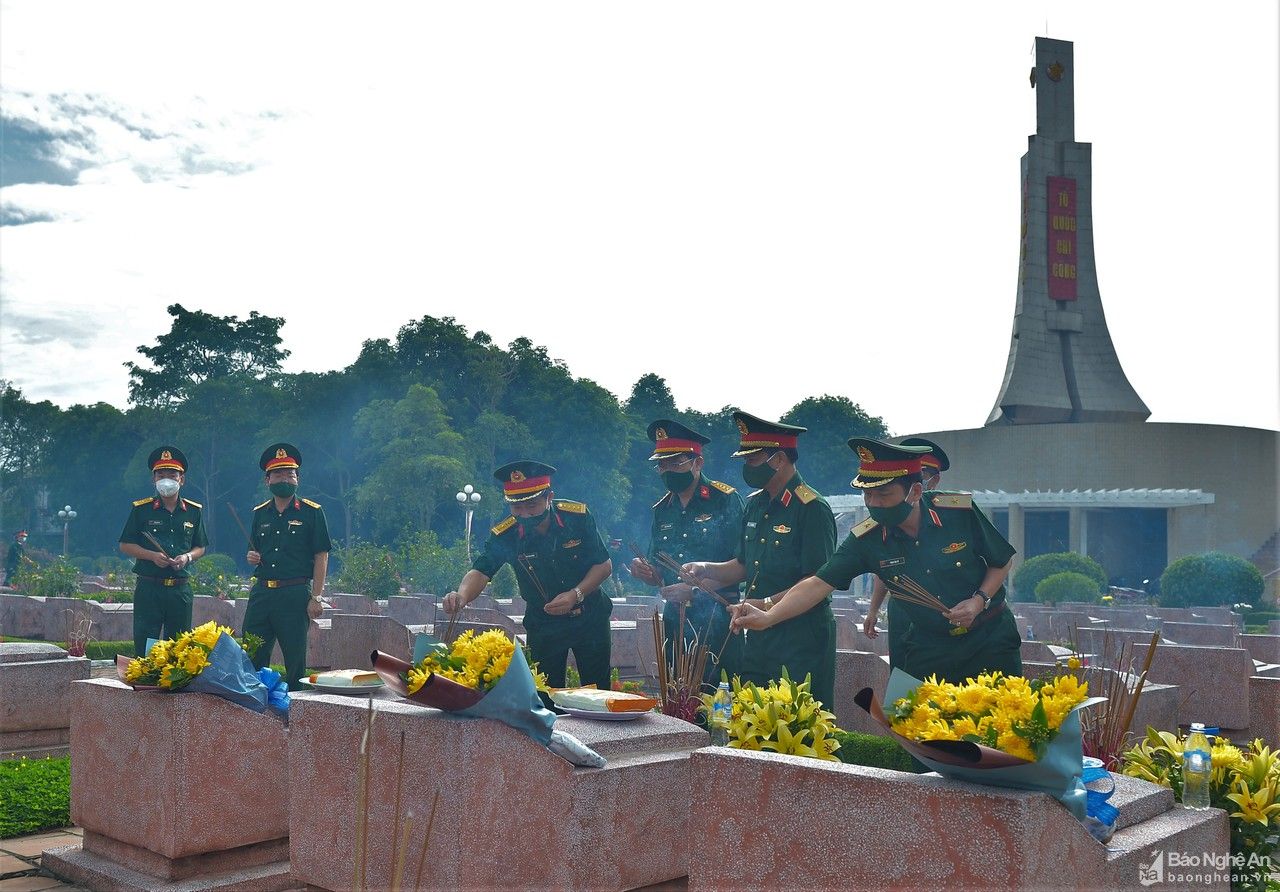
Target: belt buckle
x: 170, y: 582
x: 960, y: 630
x: 273, y: 583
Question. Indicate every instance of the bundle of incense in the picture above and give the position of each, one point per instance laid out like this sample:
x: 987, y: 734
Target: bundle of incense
x: 527, y: 565
x: 904, y: 588
x: 688, y: 578
x: 155, y: 543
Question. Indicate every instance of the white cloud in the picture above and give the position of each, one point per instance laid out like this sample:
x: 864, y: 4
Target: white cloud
x: 806, y: 187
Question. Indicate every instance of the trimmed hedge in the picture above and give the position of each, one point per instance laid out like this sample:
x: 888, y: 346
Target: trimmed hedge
x: 875, y: 751
x: 35, y: 794
x: 1035, y: 570
x: 1210, y: 579
x: 1068, y: 586
x: 96, y: 650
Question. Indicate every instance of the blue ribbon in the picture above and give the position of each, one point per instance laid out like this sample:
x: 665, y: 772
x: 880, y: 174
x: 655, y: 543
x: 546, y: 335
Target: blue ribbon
x: 277, y: 692
x: 1096, y: 804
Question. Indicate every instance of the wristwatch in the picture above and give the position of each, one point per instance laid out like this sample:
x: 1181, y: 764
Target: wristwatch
x: 986, y: 599
x: 577, y: 591
x: 317, y: 597
x: 768, y: 602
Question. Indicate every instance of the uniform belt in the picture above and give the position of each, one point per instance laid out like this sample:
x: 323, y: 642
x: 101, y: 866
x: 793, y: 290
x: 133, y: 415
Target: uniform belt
x: 285, y: 583
x: 168, y: 581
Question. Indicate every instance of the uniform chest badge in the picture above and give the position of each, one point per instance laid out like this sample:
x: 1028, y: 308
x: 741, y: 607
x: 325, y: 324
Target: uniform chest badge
x: 954, y: 547
x: 572, y: 543
x: 782, y: 528
x: 893, y: 562
x: 702, y: 518
x: 295, y: 523
x: 188, y: 524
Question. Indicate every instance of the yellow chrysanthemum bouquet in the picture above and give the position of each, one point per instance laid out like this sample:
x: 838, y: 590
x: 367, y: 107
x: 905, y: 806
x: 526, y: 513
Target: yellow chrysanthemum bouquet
x: 208, y: 660
x: 1006, y: 731
x: 781, y: 718
x: 1010, y: 714
x: 1245, y: 782
x: 174, y: 663
x: 483, y: 675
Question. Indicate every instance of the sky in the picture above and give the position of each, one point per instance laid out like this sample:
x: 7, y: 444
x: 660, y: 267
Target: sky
x: 759, y: 202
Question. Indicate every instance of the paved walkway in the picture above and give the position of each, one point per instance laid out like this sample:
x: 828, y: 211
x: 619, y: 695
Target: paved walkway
x: 20, y: 861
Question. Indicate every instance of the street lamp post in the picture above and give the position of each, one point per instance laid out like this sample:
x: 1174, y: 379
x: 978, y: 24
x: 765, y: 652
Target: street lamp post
x: 468, y: 498
x: 67, y: 516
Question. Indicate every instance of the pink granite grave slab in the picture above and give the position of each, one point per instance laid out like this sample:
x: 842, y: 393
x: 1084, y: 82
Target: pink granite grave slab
x: 510, y: 814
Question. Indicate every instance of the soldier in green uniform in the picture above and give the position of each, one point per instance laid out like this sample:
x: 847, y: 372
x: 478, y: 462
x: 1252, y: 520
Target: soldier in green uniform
x: 941, y: 541
x: 697, y: 519
x: 932, y: 464
x: 290, y: 551
x: 162, y: 595
x: 559, y: 561
x: 13, y: 560
x: 788, y: 533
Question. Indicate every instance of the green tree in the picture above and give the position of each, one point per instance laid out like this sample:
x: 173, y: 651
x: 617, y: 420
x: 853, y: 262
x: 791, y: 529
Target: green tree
x: 826, y: 462
x: 418, y: 462
x: 1210, y: 579
x: 201, y: 347
x: 26, y: 433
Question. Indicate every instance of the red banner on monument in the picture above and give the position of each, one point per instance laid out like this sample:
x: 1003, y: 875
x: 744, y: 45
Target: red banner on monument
x: 1061, y: 242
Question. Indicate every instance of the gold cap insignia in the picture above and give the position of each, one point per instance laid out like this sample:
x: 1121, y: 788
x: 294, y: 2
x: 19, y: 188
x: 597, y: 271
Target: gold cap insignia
x: 1056, y: 70
x: 280, y: 453
x: 166, y: 456
x: 864, y: 454
x: 660, y: 433
x: 742, y: 427
x: 517, y: 476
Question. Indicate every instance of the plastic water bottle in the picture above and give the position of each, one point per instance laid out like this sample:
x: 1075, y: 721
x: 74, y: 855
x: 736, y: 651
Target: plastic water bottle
x: 721, y: 713
x: 1197, y: 767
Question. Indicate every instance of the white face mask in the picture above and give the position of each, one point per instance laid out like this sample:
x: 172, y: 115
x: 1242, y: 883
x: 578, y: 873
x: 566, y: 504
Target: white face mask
x: 167, y: 487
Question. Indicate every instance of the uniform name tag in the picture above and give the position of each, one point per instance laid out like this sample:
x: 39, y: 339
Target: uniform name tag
x: 665, y: 526
x: 751, y: 524
x: 893, y: 562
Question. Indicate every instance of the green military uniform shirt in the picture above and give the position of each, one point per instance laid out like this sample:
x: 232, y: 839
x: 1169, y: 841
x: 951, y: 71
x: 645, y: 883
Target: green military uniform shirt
x: 784, y: 540
x: 178, y: 531
x: 289, y: 540
x: 707, y: 529
x: 949, y: 557
x: 560, y: 558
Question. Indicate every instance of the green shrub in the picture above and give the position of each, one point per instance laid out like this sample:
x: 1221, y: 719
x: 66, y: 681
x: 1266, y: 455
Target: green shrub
x: 504, y: 585
x: 111, y: 596
x: 215, y: 575
x: 58, y: 579
x: 112, y: 563
x: 1068, y: 586
x: 875, y: 751
x: 35, y: 794
x: 1208, y: 580
x: 366, y: 569
x: 1034, y: 570
x: 107, y: 650
x: 431, y: 568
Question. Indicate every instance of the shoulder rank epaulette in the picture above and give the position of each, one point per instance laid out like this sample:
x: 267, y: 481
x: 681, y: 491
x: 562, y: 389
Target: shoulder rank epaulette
x: 571, y: 507
x: 953, y: 500
x: 311, y: 503
x: 806, y: 493
x: 193, y: 504
x: 142, y: 502
x: 865, y: 527
x: 263, y: 505
x: 665, y: 496
x: 507, y: 523
x: 723, y: 487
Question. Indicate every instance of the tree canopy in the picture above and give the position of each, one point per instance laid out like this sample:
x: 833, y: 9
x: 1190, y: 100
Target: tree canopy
x: 386, y: 441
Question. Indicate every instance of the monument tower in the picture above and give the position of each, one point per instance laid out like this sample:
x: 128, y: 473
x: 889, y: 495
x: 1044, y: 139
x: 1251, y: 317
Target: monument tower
x: 1062, y: 365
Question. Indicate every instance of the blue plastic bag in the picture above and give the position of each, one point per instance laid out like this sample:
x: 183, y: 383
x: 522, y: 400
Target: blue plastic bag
x: 231, y: 676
